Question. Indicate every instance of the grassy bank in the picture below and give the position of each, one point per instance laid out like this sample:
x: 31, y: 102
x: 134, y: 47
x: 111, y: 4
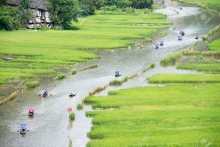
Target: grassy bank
x: 214, y: 46
x: 211, y: 4
x: 11, y: 97
x: 173, y: 115
x: 29, y: 53
x: 212, y: 67
x: 185, y: 78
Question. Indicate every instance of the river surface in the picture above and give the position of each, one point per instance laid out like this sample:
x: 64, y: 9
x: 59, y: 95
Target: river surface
x: 50, y: 127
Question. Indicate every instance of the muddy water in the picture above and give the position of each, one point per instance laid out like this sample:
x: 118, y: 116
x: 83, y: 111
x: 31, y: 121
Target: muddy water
x: 50, y: 126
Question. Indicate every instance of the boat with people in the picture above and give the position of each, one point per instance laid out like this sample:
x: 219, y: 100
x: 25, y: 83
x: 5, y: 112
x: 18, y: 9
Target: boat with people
x: 180, y: 38
x: 31, y: 112
x: 45, y: 92
x: 72, y: 94
x: 182, y: 33
x: 117, y: 73
x: 161, y: 43
x: 23, y: 129
x: 197, y: 36
x: 156, y: 46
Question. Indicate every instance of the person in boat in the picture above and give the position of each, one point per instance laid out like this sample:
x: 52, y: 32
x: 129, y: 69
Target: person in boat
x: 23, y: 127
x: 179, y: 37
x: 181, y: 8
x: 117, y: 73
x: 31, y: 111
x: 73, y: 93
x: 156, y: 46
x: 45, y: 92
x: 182, y: 33
x: 163, y: 2
x: 161, y: 43
x: 197, y: 36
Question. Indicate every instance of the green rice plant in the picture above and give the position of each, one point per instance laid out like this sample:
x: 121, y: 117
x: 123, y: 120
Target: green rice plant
x: 190, y: 52
x: 171, y: 59
x: 215, y: 54
x: 70, y: 143
x: 185, y: 78
x: 79, y: 106
x: 89, y: 67
x: 118, y: 82
x: 72, y: 116
x: 211, y: 67
x: 32, y: 84
x: 60, y: 76
x: 171, y: 115
x: 73, y: 72
x: 214, y: 46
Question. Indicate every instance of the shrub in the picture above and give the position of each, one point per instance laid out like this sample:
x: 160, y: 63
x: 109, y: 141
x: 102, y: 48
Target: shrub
x: 171, y: 59
x: 60, y: 76
x: 73, y: 72
x: 72, y: 116
x: 32, y: 84
x: 96, y: 90
x: 79, y: 106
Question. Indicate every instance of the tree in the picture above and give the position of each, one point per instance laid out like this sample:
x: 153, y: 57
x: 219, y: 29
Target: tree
x: 63, y: 12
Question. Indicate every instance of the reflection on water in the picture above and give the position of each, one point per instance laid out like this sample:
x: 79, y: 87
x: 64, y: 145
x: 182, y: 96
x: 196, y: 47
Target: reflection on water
x: 50, y: 127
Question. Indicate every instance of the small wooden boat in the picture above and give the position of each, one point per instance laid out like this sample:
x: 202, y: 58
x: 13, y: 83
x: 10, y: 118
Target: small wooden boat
x: 23, y: 131
x: 30, y: 113
x: 117, y: 74
x: 44, y: 94
x: 72, y: 94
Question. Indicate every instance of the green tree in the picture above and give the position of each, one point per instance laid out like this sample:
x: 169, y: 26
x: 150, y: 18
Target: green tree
x: 63, y: 12
x: 24, y: 13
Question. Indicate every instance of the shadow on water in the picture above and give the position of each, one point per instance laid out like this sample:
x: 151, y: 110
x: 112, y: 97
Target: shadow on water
x: 50, y: 127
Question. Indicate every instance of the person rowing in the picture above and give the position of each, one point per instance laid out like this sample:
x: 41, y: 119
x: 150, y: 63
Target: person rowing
x: 23, y: 128
x: 179, y: 38
x: 45, y: 92
x: 117, y: 73
x: 156, y: 46
x: 161, y: 43
x: 31, y: 112
x: 197, y: 36
x: 72, y: 93
x: 182, y: 33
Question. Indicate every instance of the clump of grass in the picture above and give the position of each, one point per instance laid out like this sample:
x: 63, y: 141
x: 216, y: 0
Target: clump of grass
x: 72, y: 116
x: 79, y: 106
x: 73, y: 72
x: 171, y: 59
x: 149, y: 40
x: 97, y: 89
x: 29, y: 85
x: 177, y: 12
x: 11, y: 97
x: 118, y: 82
x: 60, y: 76
x: 211, y: 33
x: 89, y: 67
x: 70, y: 143
x: 148, y: 68
x: 162, y: 34
x: 211, y: 54
x: 189, y: 52
x: 132, y: 76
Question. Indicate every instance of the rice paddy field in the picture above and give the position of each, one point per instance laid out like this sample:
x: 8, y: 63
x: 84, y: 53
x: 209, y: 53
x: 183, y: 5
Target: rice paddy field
x: 171, y: 115
x: 211, y: 4
x: 215, y: 45
x: 28, y: 53
x: 185, y: 78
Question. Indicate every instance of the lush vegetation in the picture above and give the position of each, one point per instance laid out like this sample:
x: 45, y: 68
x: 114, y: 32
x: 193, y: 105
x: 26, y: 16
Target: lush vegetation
x: 211, y: 4
x: 185, y: 78
x: 60, y: 76
x: 97, y: 90
x: 29, y: 58
x: 79, y: 106
x: 172, y: 115
x: 72, y: 116
x: 32, y: 84
x: 171, y: 59
x: 73, y: 72
x: 212, y: 67
x: 148, y: 68
x: 118, y: 82
x: 10, y: 97
x: 211, y: 33
x: 215, y: 45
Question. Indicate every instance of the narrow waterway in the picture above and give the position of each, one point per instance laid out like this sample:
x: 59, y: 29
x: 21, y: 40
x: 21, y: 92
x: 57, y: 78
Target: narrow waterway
x: 50, y: 127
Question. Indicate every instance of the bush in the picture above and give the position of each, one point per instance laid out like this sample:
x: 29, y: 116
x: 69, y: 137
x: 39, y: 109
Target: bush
x: 171, y: 59
x: 32, y: 84
x: 118, y: 82
x: 73, y: 72
x: 96, y: 90
x: 79, y: 106
x: 60, y: 76
x: 72, y: 116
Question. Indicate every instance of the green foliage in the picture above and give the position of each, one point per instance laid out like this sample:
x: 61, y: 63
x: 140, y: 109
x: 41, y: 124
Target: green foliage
x: 73, y: 72
x: 214, y: 46
x: 171, y: 115
x: 203, y: 66
x: 79, y: 106
x: 171, y: 59
x: 29, y: 85
x: 72, y: 116
x: 60, y: 76
x: 63, y: 12
x: 118, y: 82
x: 97, y: 89
x: 185, y: 78
x: 11, y: 97
x: 148, y: 68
